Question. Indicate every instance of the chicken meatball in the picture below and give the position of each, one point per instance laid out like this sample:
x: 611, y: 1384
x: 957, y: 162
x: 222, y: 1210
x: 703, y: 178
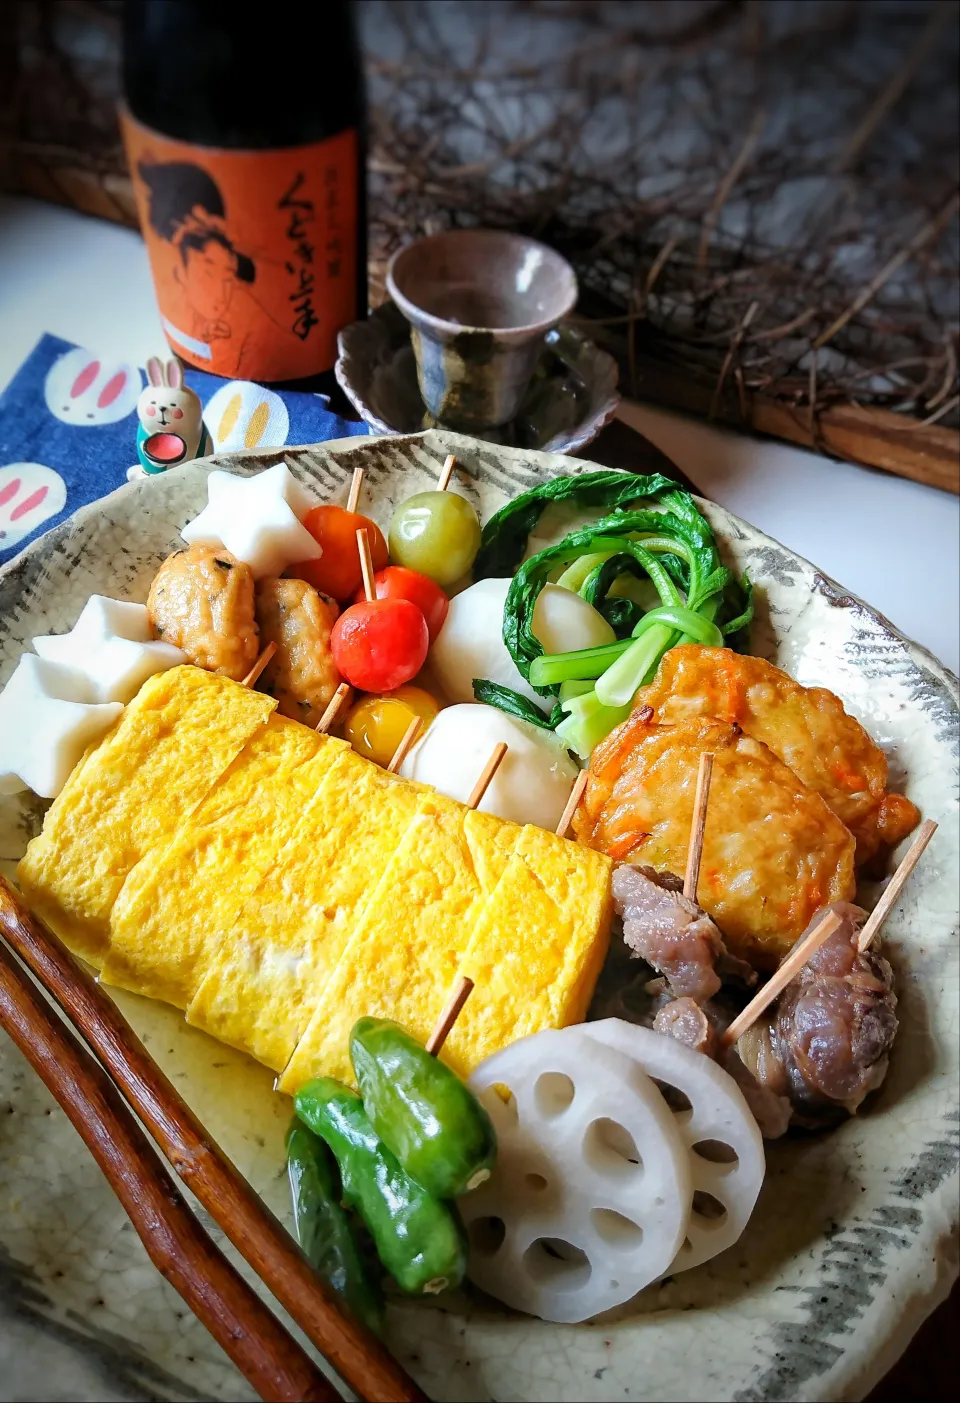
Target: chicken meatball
x: 201, y: 601
x: 301, y: 674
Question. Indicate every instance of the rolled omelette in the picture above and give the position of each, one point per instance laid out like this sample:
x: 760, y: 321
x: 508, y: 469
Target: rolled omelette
x: 180, y: 902
x: 404, y: 953
x: 536, y: 949
x: 130, y: 793
x: 276, y: 960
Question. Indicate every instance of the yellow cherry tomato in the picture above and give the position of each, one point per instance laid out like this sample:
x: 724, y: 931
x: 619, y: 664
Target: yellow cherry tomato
x: 420, y: 702
x: 375, y: 726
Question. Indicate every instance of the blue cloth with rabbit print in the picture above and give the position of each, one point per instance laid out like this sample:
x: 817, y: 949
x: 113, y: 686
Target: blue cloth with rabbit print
x: 68, y: 431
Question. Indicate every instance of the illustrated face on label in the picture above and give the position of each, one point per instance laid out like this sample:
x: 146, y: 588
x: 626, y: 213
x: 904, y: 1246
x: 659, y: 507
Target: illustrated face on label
x: 30, y: 494
x: 244, y: 415
x: 253, y: 253
x: 209, y: 276
x: 84, y: 390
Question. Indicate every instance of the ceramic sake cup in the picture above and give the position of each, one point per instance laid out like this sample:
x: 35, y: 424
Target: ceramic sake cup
x: 479, y: 303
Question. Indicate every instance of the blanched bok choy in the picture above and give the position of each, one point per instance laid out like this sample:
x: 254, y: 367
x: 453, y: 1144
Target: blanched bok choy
x: 653, y: 572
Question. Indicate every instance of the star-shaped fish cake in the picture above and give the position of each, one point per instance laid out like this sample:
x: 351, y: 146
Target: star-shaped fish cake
x: 256, y: 519
x: 47, y: 720
x: 112, y: 646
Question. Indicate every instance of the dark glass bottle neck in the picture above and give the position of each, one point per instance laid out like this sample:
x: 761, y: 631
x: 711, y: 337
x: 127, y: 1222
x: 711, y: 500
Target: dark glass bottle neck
x: 208, y: 72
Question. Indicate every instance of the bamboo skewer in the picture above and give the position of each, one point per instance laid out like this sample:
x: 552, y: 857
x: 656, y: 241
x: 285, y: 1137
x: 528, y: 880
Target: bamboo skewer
x: 356, y: 482
x: 263, y: 661
x: 695, y: 851
x: 267, y: 1356
x: 356, y: 1354
x: 487, y: 774
x: 570, y: 807
x: 451, y: 1012
x: 366, y: 564
x: 446, y: 472
x: 791, y: 966
x: 896, y: 885
x: 333, y: 709
x: 406, y: 745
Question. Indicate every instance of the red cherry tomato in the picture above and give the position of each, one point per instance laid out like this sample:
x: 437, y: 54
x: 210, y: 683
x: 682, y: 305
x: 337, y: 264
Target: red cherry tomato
x: 397, y: 582
x: 379, y: 644
x: 337, y: 572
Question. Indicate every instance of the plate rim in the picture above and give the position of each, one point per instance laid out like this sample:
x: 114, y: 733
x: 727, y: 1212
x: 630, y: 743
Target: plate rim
x: 857, y: 1372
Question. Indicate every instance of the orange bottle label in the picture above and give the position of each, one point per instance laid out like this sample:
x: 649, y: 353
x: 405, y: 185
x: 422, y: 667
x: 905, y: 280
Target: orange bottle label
x: 253, y: 253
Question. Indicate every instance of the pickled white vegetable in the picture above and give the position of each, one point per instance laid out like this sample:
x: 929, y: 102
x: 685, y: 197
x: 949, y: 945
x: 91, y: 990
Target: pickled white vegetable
x: 533, y: 782
x: 470, y: 644
x: 590, y: 1196
x: 717, y: 1127
x: 565, y: 623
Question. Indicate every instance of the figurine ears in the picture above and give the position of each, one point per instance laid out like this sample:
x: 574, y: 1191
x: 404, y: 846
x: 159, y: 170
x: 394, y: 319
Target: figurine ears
x: 173, y: 372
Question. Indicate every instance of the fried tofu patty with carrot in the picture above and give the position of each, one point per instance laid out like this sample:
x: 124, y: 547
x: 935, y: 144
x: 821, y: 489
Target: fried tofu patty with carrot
x: 806, y: 727
x: 773, y: 851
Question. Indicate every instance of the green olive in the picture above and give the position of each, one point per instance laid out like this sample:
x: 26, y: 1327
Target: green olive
x: 437, y: 533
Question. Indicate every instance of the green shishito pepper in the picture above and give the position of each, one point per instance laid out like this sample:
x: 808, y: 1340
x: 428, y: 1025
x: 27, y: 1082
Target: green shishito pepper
x: 420, y: 1241
x: 421, y: 1110
x: 323, y: 1228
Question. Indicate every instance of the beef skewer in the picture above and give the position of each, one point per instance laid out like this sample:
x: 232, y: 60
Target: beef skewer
x: 267, y: 1356
x: 827, y: 1043
x: 826, y: 925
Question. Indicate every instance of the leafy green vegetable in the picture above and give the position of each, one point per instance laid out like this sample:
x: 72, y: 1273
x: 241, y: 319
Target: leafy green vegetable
x: 692, y: 545
x: 588, y: 721
x: 575, y: 574
x: 505, y: 535
x: 492, y: 694
x: 571, y: 689
x: 636, y: 666
x: 737, y: 594
x: 622, y: 615
x: 550, y: 669
x: 669, y: 546
x: 697, y: 627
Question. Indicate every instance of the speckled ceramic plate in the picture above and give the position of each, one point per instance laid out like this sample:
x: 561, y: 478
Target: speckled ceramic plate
x: 854, y: 1237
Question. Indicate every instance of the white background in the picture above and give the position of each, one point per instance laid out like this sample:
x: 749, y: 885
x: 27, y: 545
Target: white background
x: 892, y: 542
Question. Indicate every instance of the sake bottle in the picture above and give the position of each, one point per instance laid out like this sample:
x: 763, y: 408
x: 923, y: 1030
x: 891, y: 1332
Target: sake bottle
x: 244, y: 132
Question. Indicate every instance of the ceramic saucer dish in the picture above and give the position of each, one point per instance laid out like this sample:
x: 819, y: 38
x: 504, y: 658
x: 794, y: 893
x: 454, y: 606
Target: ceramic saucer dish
x: 853, y: 1240
x: 572, y: 395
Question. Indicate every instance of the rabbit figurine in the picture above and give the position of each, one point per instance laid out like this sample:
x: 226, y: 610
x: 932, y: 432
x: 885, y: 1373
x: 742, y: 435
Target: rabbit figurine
x: 171, y: 429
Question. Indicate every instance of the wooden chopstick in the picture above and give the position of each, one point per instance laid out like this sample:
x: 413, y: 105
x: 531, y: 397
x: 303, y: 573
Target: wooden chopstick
x: 356, y: 1354
x: 267, y: 1356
